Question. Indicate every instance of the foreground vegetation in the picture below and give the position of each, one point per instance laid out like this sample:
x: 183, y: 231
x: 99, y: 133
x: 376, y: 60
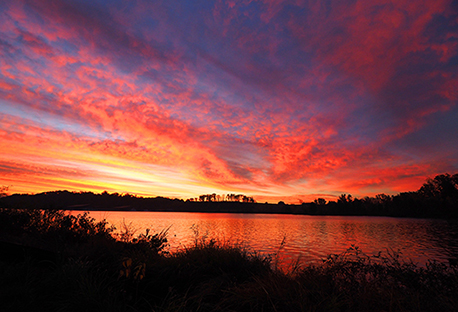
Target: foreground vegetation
x: 68, y: 263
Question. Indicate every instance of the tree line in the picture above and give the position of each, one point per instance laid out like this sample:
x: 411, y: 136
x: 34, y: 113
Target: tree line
x: 224, y: 197
x: 436, y: 198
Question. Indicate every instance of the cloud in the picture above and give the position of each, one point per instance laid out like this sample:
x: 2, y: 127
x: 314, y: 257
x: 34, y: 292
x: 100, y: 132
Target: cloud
x: 276, y: 97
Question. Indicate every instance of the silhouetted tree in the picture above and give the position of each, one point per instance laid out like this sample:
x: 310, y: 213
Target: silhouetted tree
x: 247, y: 199
x: 320, y: 201
x: 3, y: 191
x: 442, y: 186
x: 344, y: 198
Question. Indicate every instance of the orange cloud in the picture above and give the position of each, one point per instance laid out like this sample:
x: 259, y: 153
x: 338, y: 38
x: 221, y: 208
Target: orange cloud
x: 266, y: 98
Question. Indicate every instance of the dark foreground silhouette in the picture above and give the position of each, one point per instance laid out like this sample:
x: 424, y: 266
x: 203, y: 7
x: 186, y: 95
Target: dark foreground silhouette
x: 437, y: 198
x: 52, y: 261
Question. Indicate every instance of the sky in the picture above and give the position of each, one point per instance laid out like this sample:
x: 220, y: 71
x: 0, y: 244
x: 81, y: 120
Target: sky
x: 279, y: 100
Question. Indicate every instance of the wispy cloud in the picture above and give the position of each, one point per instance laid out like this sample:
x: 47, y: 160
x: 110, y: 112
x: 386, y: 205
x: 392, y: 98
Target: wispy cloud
x: 269, y: 98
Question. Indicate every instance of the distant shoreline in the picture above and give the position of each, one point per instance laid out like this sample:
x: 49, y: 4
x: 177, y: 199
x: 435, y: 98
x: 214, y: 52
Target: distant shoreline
x: 169, y: 205
x: 436, y: 199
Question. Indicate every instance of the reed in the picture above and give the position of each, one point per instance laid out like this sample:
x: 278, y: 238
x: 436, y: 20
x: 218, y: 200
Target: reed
x: 98, y: 271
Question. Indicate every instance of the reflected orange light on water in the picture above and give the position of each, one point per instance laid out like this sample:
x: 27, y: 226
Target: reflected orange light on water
x: 290, y: 238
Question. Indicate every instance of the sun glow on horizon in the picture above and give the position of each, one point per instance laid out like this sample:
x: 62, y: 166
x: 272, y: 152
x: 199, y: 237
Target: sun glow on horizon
x: 142, y: 98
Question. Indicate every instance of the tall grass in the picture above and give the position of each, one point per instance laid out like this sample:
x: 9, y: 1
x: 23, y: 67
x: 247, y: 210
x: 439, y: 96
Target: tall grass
x: 100, y: 271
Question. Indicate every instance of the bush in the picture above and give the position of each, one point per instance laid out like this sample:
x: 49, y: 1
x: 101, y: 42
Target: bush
x: 102, y: 271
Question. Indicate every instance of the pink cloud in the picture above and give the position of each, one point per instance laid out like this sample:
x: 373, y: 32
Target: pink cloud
x: 255, y: 95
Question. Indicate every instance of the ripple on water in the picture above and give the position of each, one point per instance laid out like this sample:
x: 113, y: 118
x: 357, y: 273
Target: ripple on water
x: 307, y: 238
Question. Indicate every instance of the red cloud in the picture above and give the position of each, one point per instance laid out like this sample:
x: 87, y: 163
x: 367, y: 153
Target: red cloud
x: 254, y: 96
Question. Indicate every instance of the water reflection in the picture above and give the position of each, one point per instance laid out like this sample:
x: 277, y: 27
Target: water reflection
x: 308, y: 238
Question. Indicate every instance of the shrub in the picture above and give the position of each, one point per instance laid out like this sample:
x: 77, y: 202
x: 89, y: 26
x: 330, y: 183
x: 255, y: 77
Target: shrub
x: 102, y: 271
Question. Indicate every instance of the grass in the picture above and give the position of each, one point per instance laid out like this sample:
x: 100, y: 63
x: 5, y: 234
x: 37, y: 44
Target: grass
x: 96, y: 270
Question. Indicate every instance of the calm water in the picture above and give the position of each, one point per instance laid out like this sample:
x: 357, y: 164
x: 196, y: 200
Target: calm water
x: 307, y: 238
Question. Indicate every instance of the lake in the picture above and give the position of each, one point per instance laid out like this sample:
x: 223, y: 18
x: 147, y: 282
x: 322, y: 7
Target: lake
x: 308, y: 239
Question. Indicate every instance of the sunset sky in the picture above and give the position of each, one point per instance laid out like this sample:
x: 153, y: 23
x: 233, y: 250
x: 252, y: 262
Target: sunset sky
x: 280, y: 100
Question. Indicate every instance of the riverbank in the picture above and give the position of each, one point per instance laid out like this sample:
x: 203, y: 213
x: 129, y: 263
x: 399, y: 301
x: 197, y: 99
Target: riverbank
x: 94, y: 270
x: 411, y: 205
